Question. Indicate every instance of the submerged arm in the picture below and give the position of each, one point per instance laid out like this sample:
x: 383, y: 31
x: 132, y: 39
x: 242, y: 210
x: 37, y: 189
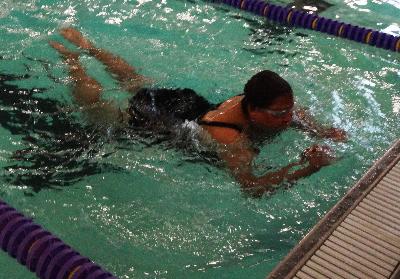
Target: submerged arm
x: 306, y: 122
x: 239, y: 161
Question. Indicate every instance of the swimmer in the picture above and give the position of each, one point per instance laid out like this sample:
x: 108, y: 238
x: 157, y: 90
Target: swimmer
x: 266, y: 105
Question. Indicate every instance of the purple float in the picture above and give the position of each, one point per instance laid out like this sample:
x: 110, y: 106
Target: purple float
x: 297, y: 18
x: 41, y: 252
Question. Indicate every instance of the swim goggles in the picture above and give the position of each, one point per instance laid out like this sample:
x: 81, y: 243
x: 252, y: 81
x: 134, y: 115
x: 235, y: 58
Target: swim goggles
x: 277, y: 113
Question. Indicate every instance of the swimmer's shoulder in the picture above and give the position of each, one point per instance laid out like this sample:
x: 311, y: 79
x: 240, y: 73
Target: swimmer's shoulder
x: 221, y: 123
x: 230, y: 102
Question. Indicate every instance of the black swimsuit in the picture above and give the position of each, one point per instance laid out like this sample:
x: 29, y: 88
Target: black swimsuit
x: 152, y: 107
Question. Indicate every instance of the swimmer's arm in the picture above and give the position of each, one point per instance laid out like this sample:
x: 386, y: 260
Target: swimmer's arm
x: 239, y: 162
x: 304, y: 121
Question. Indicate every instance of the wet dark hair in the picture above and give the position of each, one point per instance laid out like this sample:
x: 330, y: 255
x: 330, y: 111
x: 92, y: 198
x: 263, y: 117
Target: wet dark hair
x: 263, y: 88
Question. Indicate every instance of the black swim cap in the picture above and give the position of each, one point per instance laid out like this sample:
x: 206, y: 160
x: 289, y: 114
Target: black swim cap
x: 263, y: 88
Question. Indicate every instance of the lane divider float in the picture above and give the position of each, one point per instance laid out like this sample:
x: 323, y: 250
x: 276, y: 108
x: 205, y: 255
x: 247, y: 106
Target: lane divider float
x: 297, y: 18
x: 41, y: 252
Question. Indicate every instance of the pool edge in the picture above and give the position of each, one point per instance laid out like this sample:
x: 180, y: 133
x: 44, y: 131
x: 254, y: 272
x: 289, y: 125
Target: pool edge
x: 299, y: 255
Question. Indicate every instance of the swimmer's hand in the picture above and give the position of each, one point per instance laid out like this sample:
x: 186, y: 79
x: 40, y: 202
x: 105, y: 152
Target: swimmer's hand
x: 335, y: 134
x: 318, y: 156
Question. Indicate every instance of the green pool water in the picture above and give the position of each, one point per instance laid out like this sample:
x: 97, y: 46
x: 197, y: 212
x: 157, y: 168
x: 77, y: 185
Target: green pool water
x: 148, y: 211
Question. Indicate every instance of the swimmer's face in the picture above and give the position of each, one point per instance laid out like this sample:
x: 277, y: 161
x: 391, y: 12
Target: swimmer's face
x: 278, y: 115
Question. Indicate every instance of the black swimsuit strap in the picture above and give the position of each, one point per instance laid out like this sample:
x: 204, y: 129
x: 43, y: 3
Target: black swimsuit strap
x: 221, y: 124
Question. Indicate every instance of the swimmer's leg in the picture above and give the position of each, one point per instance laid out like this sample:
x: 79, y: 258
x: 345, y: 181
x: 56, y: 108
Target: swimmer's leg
x: 87, y: 90
x: 129, y: 79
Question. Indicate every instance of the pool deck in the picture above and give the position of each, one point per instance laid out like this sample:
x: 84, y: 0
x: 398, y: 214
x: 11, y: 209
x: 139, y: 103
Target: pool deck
x: 360, y: 236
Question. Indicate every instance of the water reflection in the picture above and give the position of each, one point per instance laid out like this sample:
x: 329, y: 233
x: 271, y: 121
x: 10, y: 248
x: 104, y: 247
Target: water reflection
x: 393, y: 29
x: 58, y: 151
x: 271, y: 38
x: 395, y: 3
x: 396, y: 104
x: 311, y: 6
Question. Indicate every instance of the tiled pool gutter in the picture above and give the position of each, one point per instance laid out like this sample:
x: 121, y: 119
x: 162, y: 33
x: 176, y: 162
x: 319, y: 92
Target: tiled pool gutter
x: 360, y: 236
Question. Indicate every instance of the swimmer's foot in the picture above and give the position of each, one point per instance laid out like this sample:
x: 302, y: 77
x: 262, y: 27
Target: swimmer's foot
x: 76, y: 37
x: 67, y: 54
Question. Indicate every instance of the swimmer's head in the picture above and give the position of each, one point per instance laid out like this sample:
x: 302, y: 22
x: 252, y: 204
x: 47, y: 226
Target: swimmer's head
x: 268, y: 100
